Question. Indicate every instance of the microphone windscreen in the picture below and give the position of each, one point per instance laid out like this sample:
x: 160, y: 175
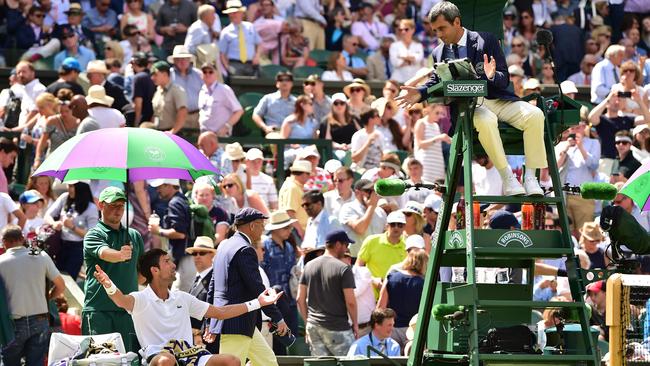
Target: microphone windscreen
x: 440, y: 310
x: 598, y: 191
x: 390, y: 187
x: 544, y: 37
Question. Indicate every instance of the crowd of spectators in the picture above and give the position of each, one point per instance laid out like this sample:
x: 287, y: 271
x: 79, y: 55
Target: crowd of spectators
x: 162, y: 65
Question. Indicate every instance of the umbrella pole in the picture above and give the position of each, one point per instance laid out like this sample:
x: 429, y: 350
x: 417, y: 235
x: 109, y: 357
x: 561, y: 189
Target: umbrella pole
x: 126, y: 193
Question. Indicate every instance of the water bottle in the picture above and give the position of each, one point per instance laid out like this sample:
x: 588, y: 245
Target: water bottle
x: 458, y: 274
x: 22, y: 144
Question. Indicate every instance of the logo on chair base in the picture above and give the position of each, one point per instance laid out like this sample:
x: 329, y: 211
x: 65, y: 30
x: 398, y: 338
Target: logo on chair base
x: 515, y: 236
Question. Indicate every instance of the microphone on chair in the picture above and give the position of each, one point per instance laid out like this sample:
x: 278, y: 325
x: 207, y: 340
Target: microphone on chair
x: 396, y: 187
x: 544, y: 37
x: 592, y: 191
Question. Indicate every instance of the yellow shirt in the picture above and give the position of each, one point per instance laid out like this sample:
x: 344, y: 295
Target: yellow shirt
x: 290, y: 199
x: 379, y: 254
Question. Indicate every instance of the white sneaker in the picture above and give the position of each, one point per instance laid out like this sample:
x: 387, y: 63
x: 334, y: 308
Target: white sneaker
x: 532, y: 187
x: 512, y: 187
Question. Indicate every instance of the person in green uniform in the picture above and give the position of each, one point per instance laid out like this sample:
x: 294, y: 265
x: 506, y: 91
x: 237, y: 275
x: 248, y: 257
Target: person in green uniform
x: 115, y: 250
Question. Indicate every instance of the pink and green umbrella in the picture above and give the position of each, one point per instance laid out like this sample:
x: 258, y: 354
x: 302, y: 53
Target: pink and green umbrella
x: 638, y: 187
x: 126, y: 154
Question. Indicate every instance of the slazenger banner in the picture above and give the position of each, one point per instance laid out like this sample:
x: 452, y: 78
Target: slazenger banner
x: 465, y: 88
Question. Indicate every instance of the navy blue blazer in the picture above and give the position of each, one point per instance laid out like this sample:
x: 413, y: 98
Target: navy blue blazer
x: 25, y: 37
x: 479, y: 43
x: 236, y: 279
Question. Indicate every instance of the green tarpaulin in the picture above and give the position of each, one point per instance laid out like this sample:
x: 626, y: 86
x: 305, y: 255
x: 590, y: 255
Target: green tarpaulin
x: 482, y: 15
x: 6, y: 324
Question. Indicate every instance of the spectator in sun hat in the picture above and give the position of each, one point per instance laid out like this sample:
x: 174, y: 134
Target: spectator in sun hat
x: 99, y: 108
x: 260, y: 182
x: 96, y: 71
x: 597, y: 293
x: 320, y: 179
x: 241, y: 62
x: 202, y: 253
x: 517, y: 78
x: 184, y: 73
x: 75, y: 15
x: 233, y: 161
x: 290, y: 195
x: 414, y: 213
x: 68, y: 77
x: 72, y: 48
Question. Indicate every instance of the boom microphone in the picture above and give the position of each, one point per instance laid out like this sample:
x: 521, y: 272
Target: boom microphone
x: 442, y: 311
x: 397, y: 187
x: 457, y: 315
x: 593, y: 191
x: 544, y: 37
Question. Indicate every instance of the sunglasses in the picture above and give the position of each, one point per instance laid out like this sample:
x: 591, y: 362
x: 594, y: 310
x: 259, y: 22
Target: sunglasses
x: 404, y: 29
x: 391, y: 90
x: 38, y: 15
x: 339, y: 103
x: 339, y: 180
x: 591, y: 65
x: 307, y: 83
x: 282, y: 80
x: 622, y: 142
x: 305, y: 205
x: 355, y: 90
x: 617, y: 202
x: 132, y: 34
x: 200, y: 254
x: 105, y: 5
x: 606, y: 35
x: 415, y: 112
x: 396, y: 224
x: 408, y: 214
x: 229, y: 185
x: 355, y: 44
x: 208, y: 71
x: 68, y: 36
x: 517, y: 45
x: 629, y: 71
x: 116, y: 206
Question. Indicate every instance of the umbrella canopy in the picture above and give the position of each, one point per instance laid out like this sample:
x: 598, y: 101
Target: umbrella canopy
x: 638, y: 187
x: 126, y: 154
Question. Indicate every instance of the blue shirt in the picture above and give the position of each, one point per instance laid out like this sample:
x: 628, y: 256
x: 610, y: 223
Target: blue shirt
x: 353, y: 61
x: 192, y: 84
x: 277, y: 264
x: 84, y: 56
x: 274, y: 109
x: 229, y: 40
x: 94, y: 19
x: 388, y: 346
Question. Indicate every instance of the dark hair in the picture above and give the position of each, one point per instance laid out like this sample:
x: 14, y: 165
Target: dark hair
x: 624, y: 133
x: 7, y: 145
x: 314, y: 196
x: 82, y: 198
x: 113, y: 62
x: 282, y: 74
x: 35, y: 9
x: 366, y: 116
x: 347, y: 170
x: 396, y: 131
x: 12, y: 234
x: 447, y: 9
x: 379, y: 315
x: 298, y: 110
x: 331, y: 62
x: 150, y: 258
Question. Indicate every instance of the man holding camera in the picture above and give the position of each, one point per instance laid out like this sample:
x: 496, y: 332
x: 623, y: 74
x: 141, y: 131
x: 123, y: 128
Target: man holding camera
x: 608, y: 121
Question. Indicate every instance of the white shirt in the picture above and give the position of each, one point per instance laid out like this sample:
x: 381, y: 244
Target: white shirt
x: 107, y: 117
x: 7, y: 206
x: 370, y: 33
x: 364, y: 293
x: 157, y: 321
x: 402, y: 72
x: 373, y: 153
x: 267, y: 284
x: 330, y: 75
x: 334, y: 201
x: 311, y: 232
x: 265, y: 187
x: 353, y: 211
x: 487, y: 182
x: 29, y: 92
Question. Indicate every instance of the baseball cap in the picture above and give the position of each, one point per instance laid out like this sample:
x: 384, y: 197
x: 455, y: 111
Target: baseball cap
x: 30, y: 196
x: 503, y: 219
x: 338, y: 235
x: 623, y: 138
x: 433, y: 202
x: 414, y: 241
x: 159, y: 182
x: 254, y: 154
x: 362, y: 184
x: 396, y: 217
x: 112, y: 194
x: 597, y: 286
x: 71, y: 63
x: 161, y: 66
x: 248, y: 214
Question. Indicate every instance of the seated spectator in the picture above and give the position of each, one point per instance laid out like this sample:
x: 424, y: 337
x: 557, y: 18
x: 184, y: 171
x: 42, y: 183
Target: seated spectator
x: 583, y: 77
x: 59, y: 128
x: 260, y: 182
x: 34, y: 38
x: 368, y: 29
x: 68, y: 77
x: 274, y: 108
x: 96, y: 73
x: 402, y: 291
x: 269, y: 26
x: 631, y: 81
x: 414, y: 168
x: 31, y: 203
x: 356, y: 65
x: 99, y: 108
x: 174, y: 17
x: 336, y: 30
x: 169, y: 102
x: 115, y: 75
x: 379, y: 66
x: 205, y: 30
x: 203, y: 194
x: 75, y: 17
x: 428, y: 140
x: 627, y: 164
x: 406, y: 54
x: 339, y: 125
x: 291, y: 192
x: 337, y: 68
x: 547, y: 74
x: 218, y: 106
x: 233, y: 188
x: 319, y: 180
x: 208, y: 144
x: 301, y: 124
x: 532, y: 86
x: 135, y: 15
x: 133, y: 41
x: 367, y: 144
x: 294, y: 47
x: 521, y: 47
x: 361, y: 217
x: 73, y: 214
x: 357, y: 92
x: 517, y: 79
x: 597, y: 294
x: 143, y: 89
x: 310, y: 13
x: 315, y: 88
x: 240, y: 62
x: 342, y: 193
x: 590, y: 238
x: 233, y: 160
x: 605, y: 74
x: 394, y: 138
x: 382, y: 323
x: 641, y: 144
x: 101, y: 20
x: 607, y: 120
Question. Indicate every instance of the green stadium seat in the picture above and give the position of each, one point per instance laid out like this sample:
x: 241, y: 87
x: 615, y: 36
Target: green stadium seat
x: 401, y: 154
x: 269, y: 71
x: 305, y: 71
x: 246, y: 126
x: 45, y: 63
x: 249, y: 99
x: 321, y: 57
x: 361, y: 54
